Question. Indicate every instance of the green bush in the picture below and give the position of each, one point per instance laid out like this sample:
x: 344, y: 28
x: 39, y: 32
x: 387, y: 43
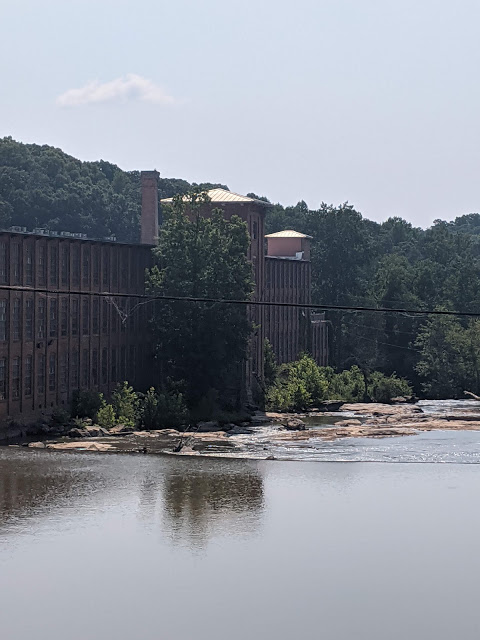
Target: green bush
x: 298, y: 386
x: 348, y: 385
x: 125, y: 404
x: 383, y: 388
x: 59, y: 417
x: 86, y: 404
x: 163, y: 410
x: 106, y: 417
x: 302, y: 384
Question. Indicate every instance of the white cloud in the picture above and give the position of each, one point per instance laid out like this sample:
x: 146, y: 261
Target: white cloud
x: 128, y: 88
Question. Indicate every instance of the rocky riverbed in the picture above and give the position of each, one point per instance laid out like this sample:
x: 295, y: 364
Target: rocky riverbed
x: 270, y: 432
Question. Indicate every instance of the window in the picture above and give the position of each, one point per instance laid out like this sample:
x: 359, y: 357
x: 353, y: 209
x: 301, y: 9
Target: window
x: 74, y: 370
x: 123, y: 314
x: 42, y: 304
x: 95, y: 317
x: 17, y: 318
x: 65, y: 266
x: 28, y: 375
x: 104, y: 365
x: 28, y: 264
x: 86, y: 267
x: 133, y: 270
x: 54, y: 265
x: 41, y: 374
x: 132, y: 365
x: 42, y: 265
x: 106, y: 267
x: 255, y: 230
x: 105, y: 309
x: 95, y: 367
x: 52, y: 372
x: 123, y: 362
x: 29, y: 319
x: 75, y: 317
x: 64, y: 317
x: 3, y: 262
x: 3, y: 378
x: 113, y: 376
x: 96, y: 266
x: 76, y: 266
x: 114, y: 325
x: 85, y: 368
x: 124, y: 270
x: 16, y: 378
x: 63, y: 371
x: 3, y: 320
x: 115, y: 268
x: 16, y: 263
x: 85, y: 317
x: 53, y: 318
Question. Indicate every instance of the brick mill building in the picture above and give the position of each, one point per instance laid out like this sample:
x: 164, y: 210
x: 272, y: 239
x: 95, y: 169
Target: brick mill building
x: 72, y: 314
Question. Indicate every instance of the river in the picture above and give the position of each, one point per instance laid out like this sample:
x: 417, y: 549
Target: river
x: 380, y: 542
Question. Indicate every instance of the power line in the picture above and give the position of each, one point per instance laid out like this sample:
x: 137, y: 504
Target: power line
x: 253, y: 303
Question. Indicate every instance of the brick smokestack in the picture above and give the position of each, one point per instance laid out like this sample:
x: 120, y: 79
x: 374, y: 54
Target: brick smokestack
x: 149, y: 223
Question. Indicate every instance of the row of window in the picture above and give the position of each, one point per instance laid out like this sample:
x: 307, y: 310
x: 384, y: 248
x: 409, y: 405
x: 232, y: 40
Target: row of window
x: 83, y: 369
x: 56, y: 317
x: 285, y: 274
x: 84, y: 264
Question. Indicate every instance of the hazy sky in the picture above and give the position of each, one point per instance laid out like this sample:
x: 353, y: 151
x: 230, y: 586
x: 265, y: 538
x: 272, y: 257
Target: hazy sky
x: 372, y: 101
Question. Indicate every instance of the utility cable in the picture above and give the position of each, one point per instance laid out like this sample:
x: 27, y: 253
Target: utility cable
x: 251, y: 303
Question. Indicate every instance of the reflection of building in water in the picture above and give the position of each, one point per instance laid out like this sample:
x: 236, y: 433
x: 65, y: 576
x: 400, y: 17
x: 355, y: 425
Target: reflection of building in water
x: 200, y: 505
x: 29, y: 486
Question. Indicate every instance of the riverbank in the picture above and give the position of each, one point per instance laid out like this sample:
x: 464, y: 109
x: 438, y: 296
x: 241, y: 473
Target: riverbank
x: 268, y: 433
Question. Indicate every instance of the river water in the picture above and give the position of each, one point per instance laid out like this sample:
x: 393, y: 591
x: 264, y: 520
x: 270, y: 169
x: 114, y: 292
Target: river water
x: 381, y: 542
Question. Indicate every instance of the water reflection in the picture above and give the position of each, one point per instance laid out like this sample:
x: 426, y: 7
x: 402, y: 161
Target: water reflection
x: 199, y: 504
x: 33, y: 483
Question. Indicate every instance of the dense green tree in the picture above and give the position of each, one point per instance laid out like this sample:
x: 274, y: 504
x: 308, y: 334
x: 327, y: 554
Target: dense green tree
x: 202, y: 344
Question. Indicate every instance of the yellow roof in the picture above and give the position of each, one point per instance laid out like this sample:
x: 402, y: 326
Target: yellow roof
x: 222, y: 195
x: 288, y: 233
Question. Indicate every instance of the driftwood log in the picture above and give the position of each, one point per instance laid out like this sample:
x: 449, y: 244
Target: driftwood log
x: 472, y: 395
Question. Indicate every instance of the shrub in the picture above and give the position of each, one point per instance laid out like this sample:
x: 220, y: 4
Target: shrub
x: 106, y: 416
x: 60, y: 417
x: 86, y: 404
x: 163, y: 410
x: 125, y: 404
x: 298, y: 386
x: 348, y: 385
x: 383, y: 388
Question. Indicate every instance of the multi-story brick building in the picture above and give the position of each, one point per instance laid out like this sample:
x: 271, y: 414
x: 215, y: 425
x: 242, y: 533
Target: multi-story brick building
x: 292, y: 330
x: 72, y: 314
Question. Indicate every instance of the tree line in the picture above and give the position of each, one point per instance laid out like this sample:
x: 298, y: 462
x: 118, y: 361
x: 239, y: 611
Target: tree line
x: 355, y: 262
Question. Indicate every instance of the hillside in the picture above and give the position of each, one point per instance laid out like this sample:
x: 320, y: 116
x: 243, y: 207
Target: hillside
x: 41, y: 186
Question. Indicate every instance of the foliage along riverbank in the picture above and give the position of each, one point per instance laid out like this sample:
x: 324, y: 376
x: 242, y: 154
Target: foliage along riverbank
x: 273, y: 436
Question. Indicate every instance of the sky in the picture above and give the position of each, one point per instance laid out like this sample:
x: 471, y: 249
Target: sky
x: 374, y: 102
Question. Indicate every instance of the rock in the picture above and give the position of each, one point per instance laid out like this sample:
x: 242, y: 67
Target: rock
x: 95, y: 431
x: 204, y: 427
x: 118, y: 429
x: 36, y: 445
x: 229, y: 426
x: 77, y: 433
x: 330, y: 405
x: 295, y: 424
x: 80, y: 446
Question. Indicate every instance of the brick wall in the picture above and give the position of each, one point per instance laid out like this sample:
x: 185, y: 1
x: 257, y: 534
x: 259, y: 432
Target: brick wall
x: 57, y: 334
